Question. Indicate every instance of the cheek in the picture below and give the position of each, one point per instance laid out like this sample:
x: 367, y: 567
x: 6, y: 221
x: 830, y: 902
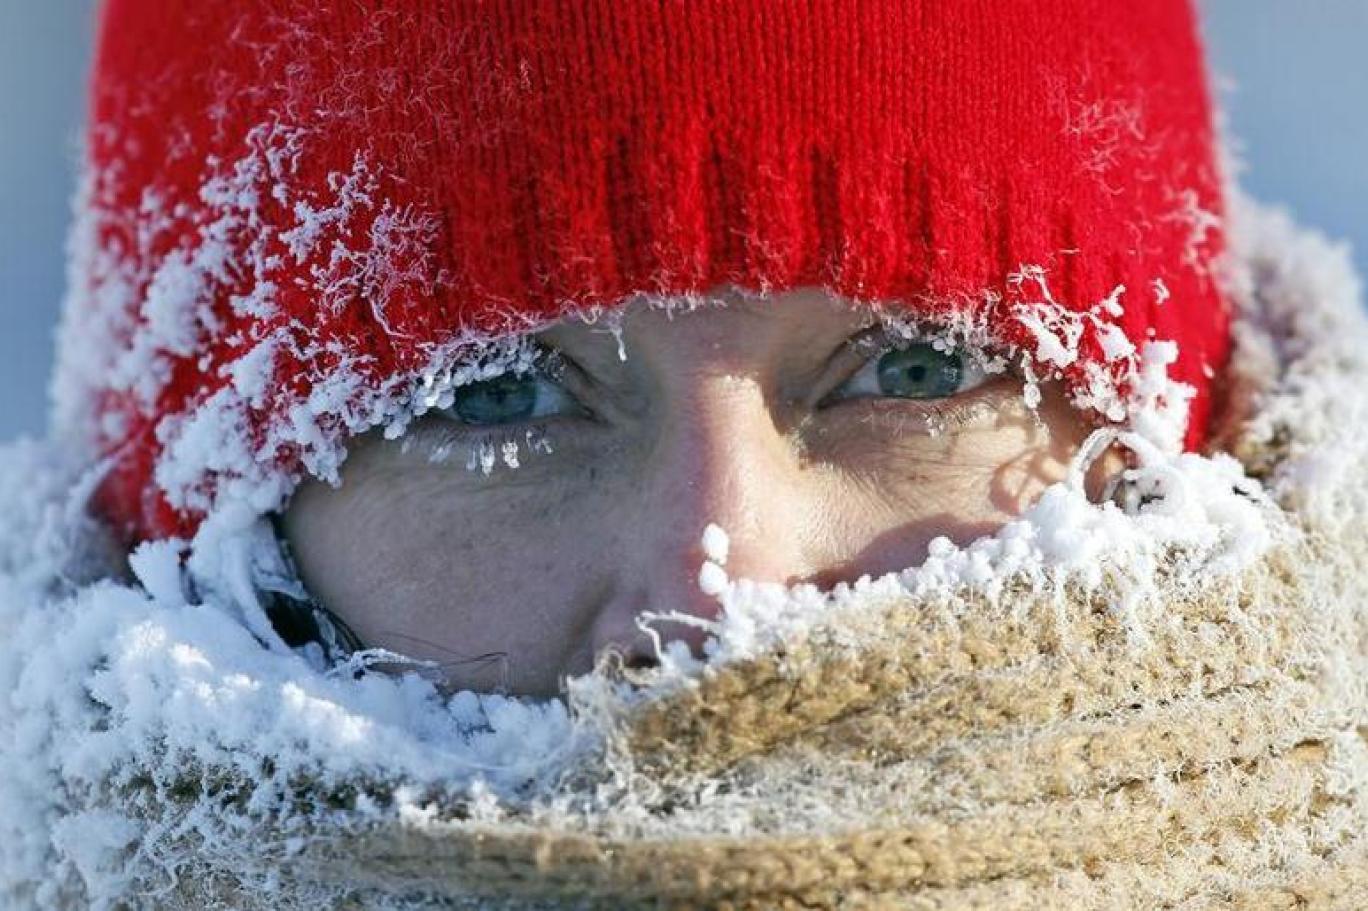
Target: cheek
x: 1023, y: 456
x: 992, y: 469
x: 888, y: 495
x: 450, y: 568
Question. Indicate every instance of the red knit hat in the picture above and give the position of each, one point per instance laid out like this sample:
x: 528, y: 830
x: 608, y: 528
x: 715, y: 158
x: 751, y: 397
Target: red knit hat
x: 298, y: 215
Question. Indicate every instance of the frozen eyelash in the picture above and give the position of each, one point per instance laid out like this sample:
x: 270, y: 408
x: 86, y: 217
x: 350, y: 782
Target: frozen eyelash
x: 890, y: 331
x: 505, y: 447
x: 485, y: 448
x: 929, y: 418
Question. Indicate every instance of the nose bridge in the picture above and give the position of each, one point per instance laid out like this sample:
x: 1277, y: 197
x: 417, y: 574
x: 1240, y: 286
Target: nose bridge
x: 722, y: 460
x: 717, y: 457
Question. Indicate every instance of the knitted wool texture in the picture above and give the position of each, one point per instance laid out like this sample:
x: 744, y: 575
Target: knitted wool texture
x: 1171, y: 735
x: 298, y: 215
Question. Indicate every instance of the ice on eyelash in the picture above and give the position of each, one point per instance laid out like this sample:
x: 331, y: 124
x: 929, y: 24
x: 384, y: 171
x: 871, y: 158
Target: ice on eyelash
x: 484, y: 455
x: 935, y: 420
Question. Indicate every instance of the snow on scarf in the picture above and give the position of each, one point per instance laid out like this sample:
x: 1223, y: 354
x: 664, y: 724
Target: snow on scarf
x: 1164, y: 706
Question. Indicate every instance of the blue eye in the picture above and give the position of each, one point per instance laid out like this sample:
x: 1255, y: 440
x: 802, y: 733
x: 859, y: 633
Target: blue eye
x: 917, y: 371
x: 510, y: 398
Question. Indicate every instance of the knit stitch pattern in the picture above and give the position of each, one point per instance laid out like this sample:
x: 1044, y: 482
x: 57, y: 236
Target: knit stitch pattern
x: 297, y: 212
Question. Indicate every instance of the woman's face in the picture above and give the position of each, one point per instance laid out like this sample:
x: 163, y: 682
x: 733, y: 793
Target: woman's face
x: 825, y: 447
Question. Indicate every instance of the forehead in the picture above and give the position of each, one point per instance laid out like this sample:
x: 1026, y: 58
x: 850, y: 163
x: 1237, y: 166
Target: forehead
x: 724, y: 316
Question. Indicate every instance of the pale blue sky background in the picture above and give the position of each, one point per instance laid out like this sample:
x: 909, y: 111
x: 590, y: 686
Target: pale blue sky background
x: 1300, y: 109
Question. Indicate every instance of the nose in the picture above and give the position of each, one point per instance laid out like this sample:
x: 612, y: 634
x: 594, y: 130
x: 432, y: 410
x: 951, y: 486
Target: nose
x: 718, y: 458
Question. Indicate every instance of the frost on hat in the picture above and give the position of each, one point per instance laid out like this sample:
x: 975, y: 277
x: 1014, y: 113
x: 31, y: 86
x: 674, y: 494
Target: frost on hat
x: 299, y: 220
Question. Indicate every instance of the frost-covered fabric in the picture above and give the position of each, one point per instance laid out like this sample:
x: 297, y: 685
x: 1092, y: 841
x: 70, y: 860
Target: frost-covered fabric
x: 1155, y: 702
x: 297, y: 215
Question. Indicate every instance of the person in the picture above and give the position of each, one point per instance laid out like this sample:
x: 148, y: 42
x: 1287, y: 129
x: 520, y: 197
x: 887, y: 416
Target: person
x: 563, y: 502
x: 592, y: 454
x: 855, y: 219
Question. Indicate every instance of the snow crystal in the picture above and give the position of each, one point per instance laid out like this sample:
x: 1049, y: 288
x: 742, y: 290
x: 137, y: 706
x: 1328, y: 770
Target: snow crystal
x: 716, y: 543
x: 1051, y: 347
x: 157, y: 566
x: 1115, y: 343
x: 251, y: 373
x: 1161, y: 292
x: 712, y: 578
x: 1202, y: 223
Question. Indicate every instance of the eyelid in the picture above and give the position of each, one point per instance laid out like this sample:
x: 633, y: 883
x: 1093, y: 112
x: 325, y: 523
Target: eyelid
x: 562, y: 369
x: 878, y: 339
x: 846, y: 359
x: 549, y: 362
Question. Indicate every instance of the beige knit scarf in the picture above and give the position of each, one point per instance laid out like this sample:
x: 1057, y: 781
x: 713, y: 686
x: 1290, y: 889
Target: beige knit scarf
x: 979, y: 766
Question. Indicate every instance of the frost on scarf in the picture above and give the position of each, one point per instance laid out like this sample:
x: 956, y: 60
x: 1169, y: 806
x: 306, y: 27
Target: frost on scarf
x: 157, y: 733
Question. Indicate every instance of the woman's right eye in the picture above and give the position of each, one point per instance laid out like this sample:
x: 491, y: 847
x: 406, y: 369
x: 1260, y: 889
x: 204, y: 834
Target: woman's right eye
x: 510, y: 398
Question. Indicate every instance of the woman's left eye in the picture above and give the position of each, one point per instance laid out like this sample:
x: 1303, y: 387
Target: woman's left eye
x: 510, y: 398
x: 917, y: 371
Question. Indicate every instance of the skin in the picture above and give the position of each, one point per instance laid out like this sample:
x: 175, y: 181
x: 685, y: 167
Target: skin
x: 738, y: 415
